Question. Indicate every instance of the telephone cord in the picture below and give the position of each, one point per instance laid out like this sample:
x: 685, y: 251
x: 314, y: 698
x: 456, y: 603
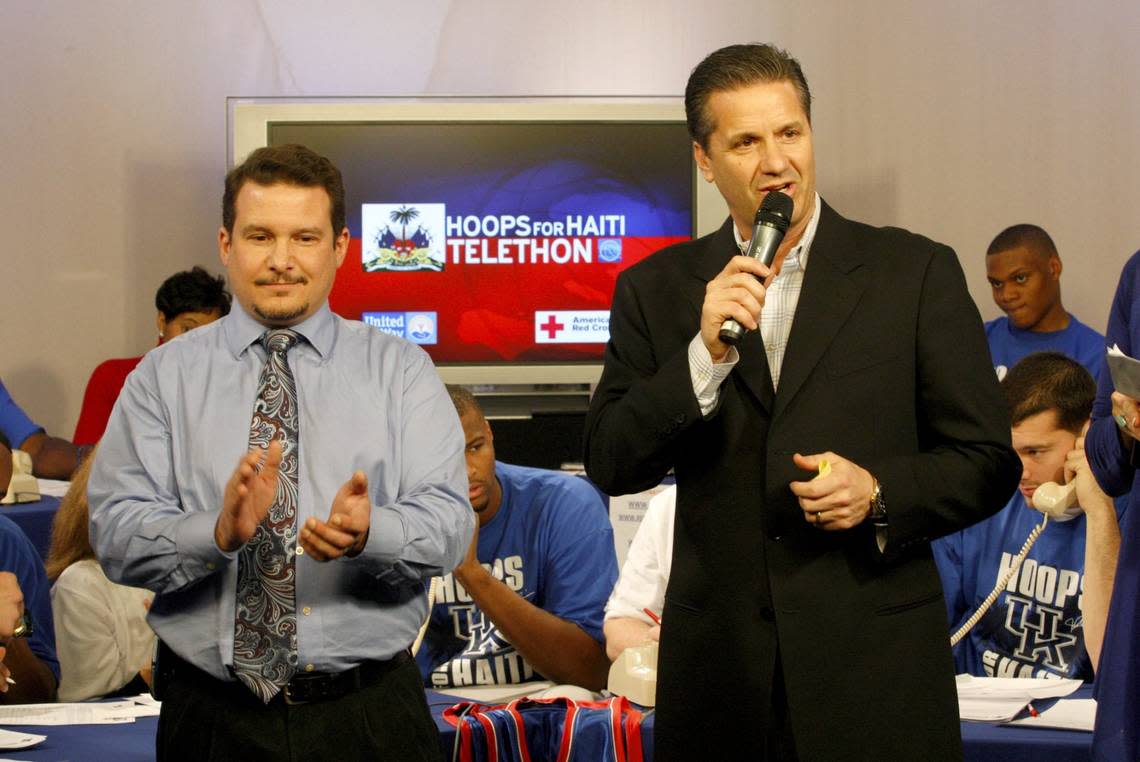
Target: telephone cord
x: 984, y: 606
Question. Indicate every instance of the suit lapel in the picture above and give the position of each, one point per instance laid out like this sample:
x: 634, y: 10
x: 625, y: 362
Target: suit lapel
x: 752, y: 369
x: 835, y: 279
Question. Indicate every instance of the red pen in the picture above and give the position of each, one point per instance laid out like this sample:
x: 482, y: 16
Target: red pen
x: 649, y: 613
x: 1032, y: 711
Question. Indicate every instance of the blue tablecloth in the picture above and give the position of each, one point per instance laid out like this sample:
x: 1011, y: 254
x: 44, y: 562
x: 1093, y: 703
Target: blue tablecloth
x: 35, y: 519
x: 134, y: 742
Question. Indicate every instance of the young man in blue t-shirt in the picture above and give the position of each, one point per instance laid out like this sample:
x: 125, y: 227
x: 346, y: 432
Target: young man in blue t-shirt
x: 528, y: 600
x: 1024, y: 271
x: 1049, y: 620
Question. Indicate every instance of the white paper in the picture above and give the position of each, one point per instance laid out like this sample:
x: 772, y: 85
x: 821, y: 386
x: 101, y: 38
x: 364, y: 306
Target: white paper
x: 53, y: 487
x: 1066, y: 714
x: 1125, y: 372
x: 68, y: 714
x: 12, y: 740
x: 1000, y: 699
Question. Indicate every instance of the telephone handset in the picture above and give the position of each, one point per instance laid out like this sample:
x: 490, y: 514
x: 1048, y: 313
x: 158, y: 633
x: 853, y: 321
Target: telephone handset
x: 1055, y: 501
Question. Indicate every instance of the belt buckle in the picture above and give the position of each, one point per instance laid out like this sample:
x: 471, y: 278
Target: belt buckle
x: 287, y: 694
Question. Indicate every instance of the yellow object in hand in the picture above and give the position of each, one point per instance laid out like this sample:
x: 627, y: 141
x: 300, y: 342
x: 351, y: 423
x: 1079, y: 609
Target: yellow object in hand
x: 824, y: 468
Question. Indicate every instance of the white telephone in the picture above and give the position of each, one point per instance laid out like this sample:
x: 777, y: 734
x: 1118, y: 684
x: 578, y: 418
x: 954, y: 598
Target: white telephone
x: 1057, y: 502
x: 22, y: 487
x: 634, y: 674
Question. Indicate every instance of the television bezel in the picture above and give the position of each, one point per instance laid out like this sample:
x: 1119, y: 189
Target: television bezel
x: 249, y: 120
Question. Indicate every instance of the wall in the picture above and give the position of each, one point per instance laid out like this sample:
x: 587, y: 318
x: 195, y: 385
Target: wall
x: 952, y: 119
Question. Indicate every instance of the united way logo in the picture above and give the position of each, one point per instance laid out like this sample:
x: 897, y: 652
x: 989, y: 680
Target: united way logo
x: 403, y: 237
x: 416, y: 327
x: 421, y: 327
x: 609, y: 250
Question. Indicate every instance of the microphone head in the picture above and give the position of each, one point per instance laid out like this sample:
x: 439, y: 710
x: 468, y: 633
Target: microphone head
x: 775, y: 210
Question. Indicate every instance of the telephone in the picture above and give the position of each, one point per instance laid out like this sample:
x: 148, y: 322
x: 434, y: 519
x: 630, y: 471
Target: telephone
x: 634, y: 674
x: 1055, y: 501
x: 22, y: 487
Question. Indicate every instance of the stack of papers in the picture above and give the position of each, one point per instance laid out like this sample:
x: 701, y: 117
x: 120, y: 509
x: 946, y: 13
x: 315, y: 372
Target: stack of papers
x: 88, y: 713
x: 1000, y: 699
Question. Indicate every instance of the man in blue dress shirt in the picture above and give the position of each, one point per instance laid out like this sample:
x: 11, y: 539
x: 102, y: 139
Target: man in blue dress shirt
x: 370, y: 462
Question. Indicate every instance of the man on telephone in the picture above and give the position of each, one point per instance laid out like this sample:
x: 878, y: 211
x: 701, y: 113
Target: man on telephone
x: 1049, y: 620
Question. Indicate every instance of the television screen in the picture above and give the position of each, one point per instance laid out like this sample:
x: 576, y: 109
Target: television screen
x: 500, y: 242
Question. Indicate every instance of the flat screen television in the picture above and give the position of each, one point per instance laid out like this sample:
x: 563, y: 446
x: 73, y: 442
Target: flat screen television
x: 492, y: 231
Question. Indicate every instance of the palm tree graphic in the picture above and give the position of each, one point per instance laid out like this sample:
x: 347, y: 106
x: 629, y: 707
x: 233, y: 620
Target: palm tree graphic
x: 404, y: 215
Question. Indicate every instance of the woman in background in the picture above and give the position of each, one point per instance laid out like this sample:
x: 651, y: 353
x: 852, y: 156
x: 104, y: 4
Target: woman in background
x: 102, y: 638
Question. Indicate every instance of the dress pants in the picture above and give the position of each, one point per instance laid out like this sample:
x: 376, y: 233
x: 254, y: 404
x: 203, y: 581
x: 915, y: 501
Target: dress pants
x: 207, y: 719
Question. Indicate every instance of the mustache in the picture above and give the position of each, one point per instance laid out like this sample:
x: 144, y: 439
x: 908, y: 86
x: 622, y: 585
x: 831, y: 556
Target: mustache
x: 283, y: 280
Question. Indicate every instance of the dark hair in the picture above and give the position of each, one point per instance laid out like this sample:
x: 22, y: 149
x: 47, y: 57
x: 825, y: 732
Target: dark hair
x: 463, y: 400
x: 1024, y: 235
x: 731, y: 68
x: 1050, y: 381
x: 290, y: 164
x: 192, y: 290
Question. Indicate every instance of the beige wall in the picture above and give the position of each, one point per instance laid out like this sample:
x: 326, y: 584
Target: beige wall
x: 952, y: 119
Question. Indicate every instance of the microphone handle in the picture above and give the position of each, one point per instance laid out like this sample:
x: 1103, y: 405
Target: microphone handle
x: 765, y: 241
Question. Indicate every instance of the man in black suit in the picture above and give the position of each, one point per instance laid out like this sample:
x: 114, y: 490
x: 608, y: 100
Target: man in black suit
x: 804, y: 617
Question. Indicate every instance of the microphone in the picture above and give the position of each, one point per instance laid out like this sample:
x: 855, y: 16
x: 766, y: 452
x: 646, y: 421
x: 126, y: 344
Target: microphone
x: 772, y: 220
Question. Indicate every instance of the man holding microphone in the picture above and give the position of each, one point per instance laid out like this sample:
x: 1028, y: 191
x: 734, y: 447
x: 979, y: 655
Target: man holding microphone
x: 863, y: 348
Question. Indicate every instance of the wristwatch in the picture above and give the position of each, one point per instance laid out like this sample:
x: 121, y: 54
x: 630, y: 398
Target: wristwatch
x: 878, y: 514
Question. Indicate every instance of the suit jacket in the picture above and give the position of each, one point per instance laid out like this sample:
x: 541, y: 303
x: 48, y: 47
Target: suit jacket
x: 887, y: 366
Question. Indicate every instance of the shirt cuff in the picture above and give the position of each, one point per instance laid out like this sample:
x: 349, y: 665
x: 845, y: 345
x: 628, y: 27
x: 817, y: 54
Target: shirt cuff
x: 198, y: 552
x: 708, y: 376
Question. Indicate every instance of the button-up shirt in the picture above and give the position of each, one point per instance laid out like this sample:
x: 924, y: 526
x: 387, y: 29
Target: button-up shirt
x: 366, y: 401
x: 780, y: 300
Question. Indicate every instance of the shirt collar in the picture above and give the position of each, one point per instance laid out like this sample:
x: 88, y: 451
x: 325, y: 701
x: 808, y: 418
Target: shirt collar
x: 798, y: 256
x: 242, y: 330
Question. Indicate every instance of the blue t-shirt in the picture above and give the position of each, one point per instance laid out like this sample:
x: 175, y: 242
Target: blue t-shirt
x: 551, y: 542
x: 1035, y: 627
x: 19, y: 556
x: 1078, y: 341
x: 15, y: 425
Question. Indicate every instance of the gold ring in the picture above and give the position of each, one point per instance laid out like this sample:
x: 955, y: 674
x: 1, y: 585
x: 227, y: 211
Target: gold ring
x: 20, y: 630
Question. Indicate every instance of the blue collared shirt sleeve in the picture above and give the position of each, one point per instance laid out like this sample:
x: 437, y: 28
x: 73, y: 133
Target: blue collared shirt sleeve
x: 141, y: 532
x: 426, y: 529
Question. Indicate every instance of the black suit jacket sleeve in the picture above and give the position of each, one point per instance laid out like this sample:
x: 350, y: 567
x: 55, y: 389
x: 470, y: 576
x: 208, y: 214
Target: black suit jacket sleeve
x: 964, y: 466
x: 643, y: 402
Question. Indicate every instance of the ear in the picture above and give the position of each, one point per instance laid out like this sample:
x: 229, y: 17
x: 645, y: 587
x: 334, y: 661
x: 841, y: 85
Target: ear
x: 703, y: 163
x: 160, y: 324
x: 224, y: 244
x: 341, y: 246
x: 1055, y: 267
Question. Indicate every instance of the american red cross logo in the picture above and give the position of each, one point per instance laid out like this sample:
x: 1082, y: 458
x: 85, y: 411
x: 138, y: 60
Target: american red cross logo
x: 552, y: 327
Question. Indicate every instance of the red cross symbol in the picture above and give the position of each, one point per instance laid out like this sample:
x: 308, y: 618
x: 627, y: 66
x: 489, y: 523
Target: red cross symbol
x: 551, y: 326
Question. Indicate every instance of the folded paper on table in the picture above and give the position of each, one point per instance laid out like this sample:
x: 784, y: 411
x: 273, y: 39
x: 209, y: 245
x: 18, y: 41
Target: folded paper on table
x: 1000, y: 699
x: 13, y: 740
x: 1066, y: 714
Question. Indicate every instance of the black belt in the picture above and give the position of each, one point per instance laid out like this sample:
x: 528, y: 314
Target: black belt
x: 305, y: 687
x: 324, y: 686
